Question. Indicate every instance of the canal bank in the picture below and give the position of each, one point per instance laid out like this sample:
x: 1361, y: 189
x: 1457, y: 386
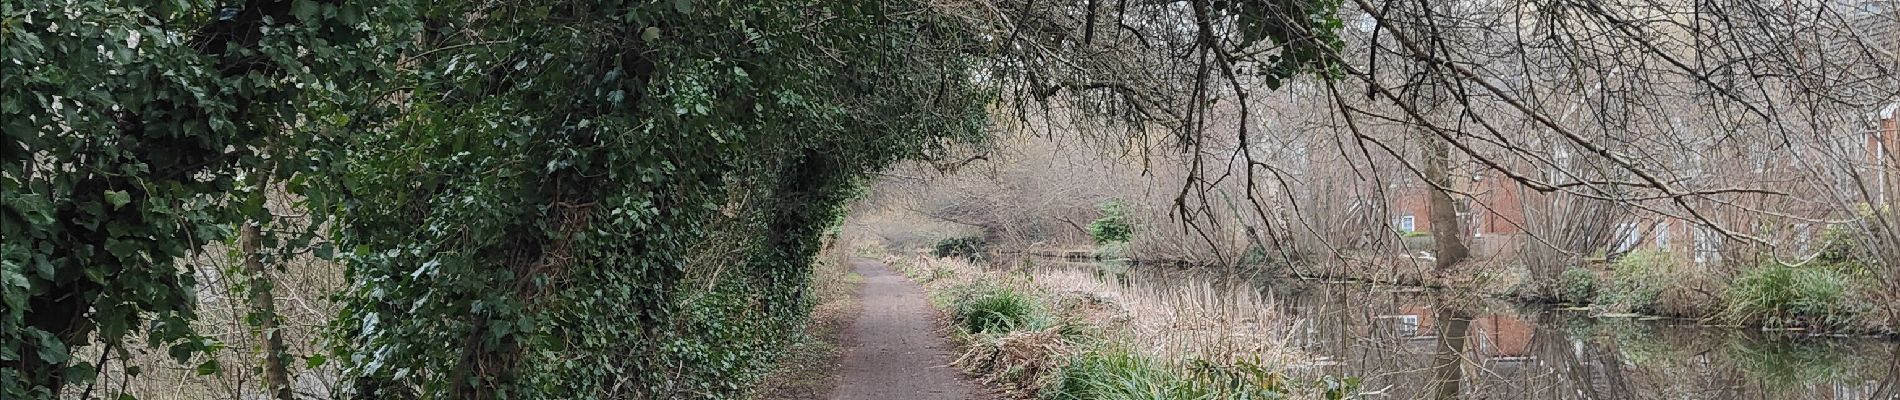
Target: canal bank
x: 1407, y: 342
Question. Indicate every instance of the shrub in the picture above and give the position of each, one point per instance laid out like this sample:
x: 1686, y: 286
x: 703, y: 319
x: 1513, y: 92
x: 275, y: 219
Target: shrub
x: 1781, y: 295
x: 1636, y: 280
x: 989, y: 309
x: 971, y: 247
x: 1113, y: 226
x: 1577, y: 285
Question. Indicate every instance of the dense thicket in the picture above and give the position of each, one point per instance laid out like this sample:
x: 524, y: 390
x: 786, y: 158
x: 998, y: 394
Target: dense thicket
x: 130, y: 130
x: 595, y: 199
x: 533, y: 199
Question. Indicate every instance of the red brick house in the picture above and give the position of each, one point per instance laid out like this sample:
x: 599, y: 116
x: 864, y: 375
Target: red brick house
x: 1493, y: 209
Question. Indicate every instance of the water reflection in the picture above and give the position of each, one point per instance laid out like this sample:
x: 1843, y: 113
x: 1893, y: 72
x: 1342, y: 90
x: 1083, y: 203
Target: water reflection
x: 1410, y: 344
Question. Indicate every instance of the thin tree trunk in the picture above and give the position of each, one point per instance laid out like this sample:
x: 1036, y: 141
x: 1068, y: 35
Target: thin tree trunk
x: 1447, y: 238
x: 264, y: 305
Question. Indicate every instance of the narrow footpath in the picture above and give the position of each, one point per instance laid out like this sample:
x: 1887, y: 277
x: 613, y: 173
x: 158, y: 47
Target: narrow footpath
x: 893, y: 350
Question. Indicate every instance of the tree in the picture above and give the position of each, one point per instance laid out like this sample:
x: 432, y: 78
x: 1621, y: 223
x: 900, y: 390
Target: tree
x: 125, y: 125
x: 611, y: 200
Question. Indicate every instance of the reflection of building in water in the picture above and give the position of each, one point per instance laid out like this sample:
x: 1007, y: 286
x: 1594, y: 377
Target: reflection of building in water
x: 1502, y: 337
x: 1499, y: 337
x: 1387, y: 339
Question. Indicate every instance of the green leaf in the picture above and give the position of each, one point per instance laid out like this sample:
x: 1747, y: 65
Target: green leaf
x: 35, y: 208
x: 314, y: 360
x: 324, y: 250
x: 209, y: 367
x: 304, y: 10
x: 80, y: 372
x: 117, y: 198
x: 52, y: 351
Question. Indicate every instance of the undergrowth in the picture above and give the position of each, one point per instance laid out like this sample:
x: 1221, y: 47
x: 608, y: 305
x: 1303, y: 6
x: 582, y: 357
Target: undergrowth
x: 1636, y: 280
x: 1037, y: 344
x: 1776, y: 295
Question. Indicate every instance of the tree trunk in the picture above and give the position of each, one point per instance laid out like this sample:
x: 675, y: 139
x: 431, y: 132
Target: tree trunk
x: 264, y: 306
x: 1447, y: 238
x: 1448, y: 367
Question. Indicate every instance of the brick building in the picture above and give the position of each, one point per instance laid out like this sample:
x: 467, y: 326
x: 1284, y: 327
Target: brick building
x: 1492, y: 211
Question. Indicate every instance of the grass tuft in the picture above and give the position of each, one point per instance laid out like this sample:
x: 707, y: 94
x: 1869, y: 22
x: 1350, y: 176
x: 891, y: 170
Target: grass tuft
x: 1777, y: 295
x: 986, y: 308
x: 1123, y: 375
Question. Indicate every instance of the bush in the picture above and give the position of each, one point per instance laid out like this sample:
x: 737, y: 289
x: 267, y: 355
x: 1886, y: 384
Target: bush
x: 1577, y: 285
x: 1636, y: 280
x: 1113, y: 226
x: 1780, y: 295
x: 988, y: 309
x: 971, y: 247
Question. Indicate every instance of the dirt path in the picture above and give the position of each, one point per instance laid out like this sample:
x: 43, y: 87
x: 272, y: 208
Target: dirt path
x: 893, y: 350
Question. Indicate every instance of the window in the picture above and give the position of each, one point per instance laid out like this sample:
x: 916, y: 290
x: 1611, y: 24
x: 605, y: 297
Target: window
x: 1708, y: 245
x: 1802, y: 233
x: 1407, y: 224
x: 1662, y: 236
x: 1627, y: 237
x: 1407, y: 325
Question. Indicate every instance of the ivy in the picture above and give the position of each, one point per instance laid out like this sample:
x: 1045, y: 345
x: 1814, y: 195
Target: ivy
x: 598, y: 200
x: 128, y: 127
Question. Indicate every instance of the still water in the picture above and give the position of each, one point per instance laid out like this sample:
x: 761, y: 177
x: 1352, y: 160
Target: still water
x: 1413, y: 344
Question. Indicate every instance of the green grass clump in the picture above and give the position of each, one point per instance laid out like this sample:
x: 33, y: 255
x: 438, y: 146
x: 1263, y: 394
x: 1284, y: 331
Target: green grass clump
x: 1777, y: 295
x: 1122, y: 375
x: 993, y: 309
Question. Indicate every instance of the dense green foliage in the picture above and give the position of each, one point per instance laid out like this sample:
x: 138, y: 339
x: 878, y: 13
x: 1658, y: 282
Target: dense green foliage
x: 555, y: 199
x: 131, y: 132
x: 590, y: 199
x: 1577, y: 285
x: 1113, y: 226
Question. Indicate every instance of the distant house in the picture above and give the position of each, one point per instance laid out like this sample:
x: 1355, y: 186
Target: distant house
x: 1494, y: 211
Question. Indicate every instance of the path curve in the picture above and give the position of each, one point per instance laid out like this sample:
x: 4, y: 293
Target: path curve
x: 893, y: 350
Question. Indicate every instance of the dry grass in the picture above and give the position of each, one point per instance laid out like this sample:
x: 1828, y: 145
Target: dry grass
x: 1019, y: 362
x: 1190, y: 320
x: 1196, y: 320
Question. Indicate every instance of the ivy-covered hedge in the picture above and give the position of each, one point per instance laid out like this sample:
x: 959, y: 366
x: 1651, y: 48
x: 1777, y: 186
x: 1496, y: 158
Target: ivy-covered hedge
x: 133, y: 133
x: 536, y: 224
x: 549, y: 199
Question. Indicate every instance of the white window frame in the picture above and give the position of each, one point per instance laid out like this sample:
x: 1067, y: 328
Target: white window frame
x: 1408, y: 224
x: 1407, y: 325
x: 1627, y: 237
x: 1708, y: 245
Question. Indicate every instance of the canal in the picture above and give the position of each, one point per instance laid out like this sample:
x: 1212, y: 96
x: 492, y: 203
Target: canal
x: 1407, y: 343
